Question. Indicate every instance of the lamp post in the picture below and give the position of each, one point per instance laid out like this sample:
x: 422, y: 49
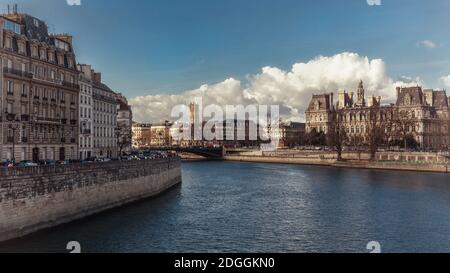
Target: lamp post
x: 14, y: 126
x: 117, y: 131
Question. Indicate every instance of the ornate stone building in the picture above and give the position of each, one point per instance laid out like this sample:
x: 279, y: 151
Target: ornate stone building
x: 39, y: 91
x: 422, y: 114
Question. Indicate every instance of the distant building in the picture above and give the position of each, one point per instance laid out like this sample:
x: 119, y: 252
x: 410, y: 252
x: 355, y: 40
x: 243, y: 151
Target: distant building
x: 39, y: 91
x: 141, y: 135
x: 160, y: 135
x: 291, y: 134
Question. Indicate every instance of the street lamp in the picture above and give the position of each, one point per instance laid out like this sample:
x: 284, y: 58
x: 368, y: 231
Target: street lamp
x: 11, y: 118
x: 117, y: 131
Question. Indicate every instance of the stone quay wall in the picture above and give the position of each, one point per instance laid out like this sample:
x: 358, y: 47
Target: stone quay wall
x: 404, y: 161
x: 35, y: 198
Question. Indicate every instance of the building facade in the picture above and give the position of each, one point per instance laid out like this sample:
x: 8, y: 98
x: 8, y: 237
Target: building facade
x: 141, y: 136
x: 39, y: 91
x: 86, y: 142
x: 124, y: 124
x: 422, y: 115
x: 160, y: 135
x: 105, y: 118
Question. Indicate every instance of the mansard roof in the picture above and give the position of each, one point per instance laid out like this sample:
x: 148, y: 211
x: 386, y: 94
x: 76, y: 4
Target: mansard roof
x: 320, y: 102
x: 440, y: 99
x: 410, y: 96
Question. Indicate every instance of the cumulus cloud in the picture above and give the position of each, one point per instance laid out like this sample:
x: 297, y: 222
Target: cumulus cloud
x: 292, y: 89
x: 427, y: 44
x: 446, y: 81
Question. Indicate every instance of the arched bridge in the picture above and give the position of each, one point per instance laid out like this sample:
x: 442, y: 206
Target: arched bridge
x: 214, y: 153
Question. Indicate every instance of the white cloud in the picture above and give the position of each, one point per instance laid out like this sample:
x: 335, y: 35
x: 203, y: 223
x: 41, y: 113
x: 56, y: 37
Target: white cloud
x: 427, y: 44
x: 446, y: 81
x: 292, y: 89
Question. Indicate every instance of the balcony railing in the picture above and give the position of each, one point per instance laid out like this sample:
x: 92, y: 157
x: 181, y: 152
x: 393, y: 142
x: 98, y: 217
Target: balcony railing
x: 86, y: 131
x: 53, y: 120
x: 16, y: 72
x: 73, y: 121
x: 10, y: 117
x: 25, y: 118
x: 70, y: 85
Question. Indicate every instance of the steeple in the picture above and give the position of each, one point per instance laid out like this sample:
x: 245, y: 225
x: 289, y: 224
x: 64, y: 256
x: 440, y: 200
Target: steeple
x: 360, y: 100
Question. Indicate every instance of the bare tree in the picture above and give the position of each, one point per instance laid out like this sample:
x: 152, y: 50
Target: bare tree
x: 379, y: 125
x: 403, y: 126
x: 124, y: 139
x: 337, y: 136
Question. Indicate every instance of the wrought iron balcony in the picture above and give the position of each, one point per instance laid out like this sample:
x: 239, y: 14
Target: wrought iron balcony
x: 16, y: 72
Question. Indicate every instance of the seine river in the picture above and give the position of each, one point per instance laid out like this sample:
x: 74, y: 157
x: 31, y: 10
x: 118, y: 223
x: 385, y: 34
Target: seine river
x: 246, y: 207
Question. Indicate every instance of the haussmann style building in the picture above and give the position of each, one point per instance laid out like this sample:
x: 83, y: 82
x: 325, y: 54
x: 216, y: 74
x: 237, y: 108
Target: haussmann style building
x: 39, y: 91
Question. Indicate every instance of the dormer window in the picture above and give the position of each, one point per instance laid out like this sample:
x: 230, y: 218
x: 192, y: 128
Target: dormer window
x: 407, y: 100
x: 51, y: 57
x: 35, y: 22
x: 43, y: 55
x: 70, y: 62
x: 60, y: 60
x: 34, y: 52
x: 21, y: 46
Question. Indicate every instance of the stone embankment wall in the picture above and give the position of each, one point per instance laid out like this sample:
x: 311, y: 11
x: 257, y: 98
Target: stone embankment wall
x: 41, y: 197
x: 407, y: 161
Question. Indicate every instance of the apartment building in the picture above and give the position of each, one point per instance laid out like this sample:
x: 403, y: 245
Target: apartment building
x: 39, y: 91
x: 105, y: 118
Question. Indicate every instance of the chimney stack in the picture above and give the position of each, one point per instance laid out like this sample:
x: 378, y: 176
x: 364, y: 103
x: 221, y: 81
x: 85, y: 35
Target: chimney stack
x: 97, y: 77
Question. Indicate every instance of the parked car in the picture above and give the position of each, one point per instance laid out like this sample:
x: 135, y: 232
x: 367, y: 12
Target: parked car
x: 27, y: 163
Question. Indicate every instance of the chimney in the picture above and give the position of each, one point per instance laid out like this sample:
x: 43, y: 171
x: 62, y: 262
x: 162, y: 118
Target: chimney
x: 398, y: 91
x: 97, y: 77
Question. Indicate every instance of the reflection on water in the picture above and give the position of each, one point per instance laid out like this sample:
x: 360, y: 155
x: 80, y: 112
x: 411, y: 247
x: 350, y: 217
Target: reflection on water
x: 246, y: 207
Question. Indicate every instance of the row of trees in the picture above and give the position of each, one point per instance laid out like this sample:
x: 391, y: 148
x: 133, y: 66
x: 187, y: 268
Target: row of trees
x: 388, y: 129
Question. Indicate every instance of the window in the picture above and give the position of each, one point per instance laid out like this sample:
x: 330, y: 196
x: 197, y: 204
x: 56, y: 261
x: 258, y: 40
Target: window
x: 23, y: 109
x: 24, y: 90
x: 35, y: 22
x: 11, y: 26
x: 10, y: 87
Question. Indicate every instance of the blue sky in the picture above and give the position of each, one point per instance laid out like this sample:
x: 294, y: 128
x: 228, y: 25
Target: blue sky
x: 167, y: 46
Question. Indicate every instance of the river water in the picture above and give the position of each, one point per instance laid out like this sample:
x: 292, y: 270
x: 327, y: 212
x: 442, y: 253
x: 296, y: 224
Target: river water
x: 247, y: 207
